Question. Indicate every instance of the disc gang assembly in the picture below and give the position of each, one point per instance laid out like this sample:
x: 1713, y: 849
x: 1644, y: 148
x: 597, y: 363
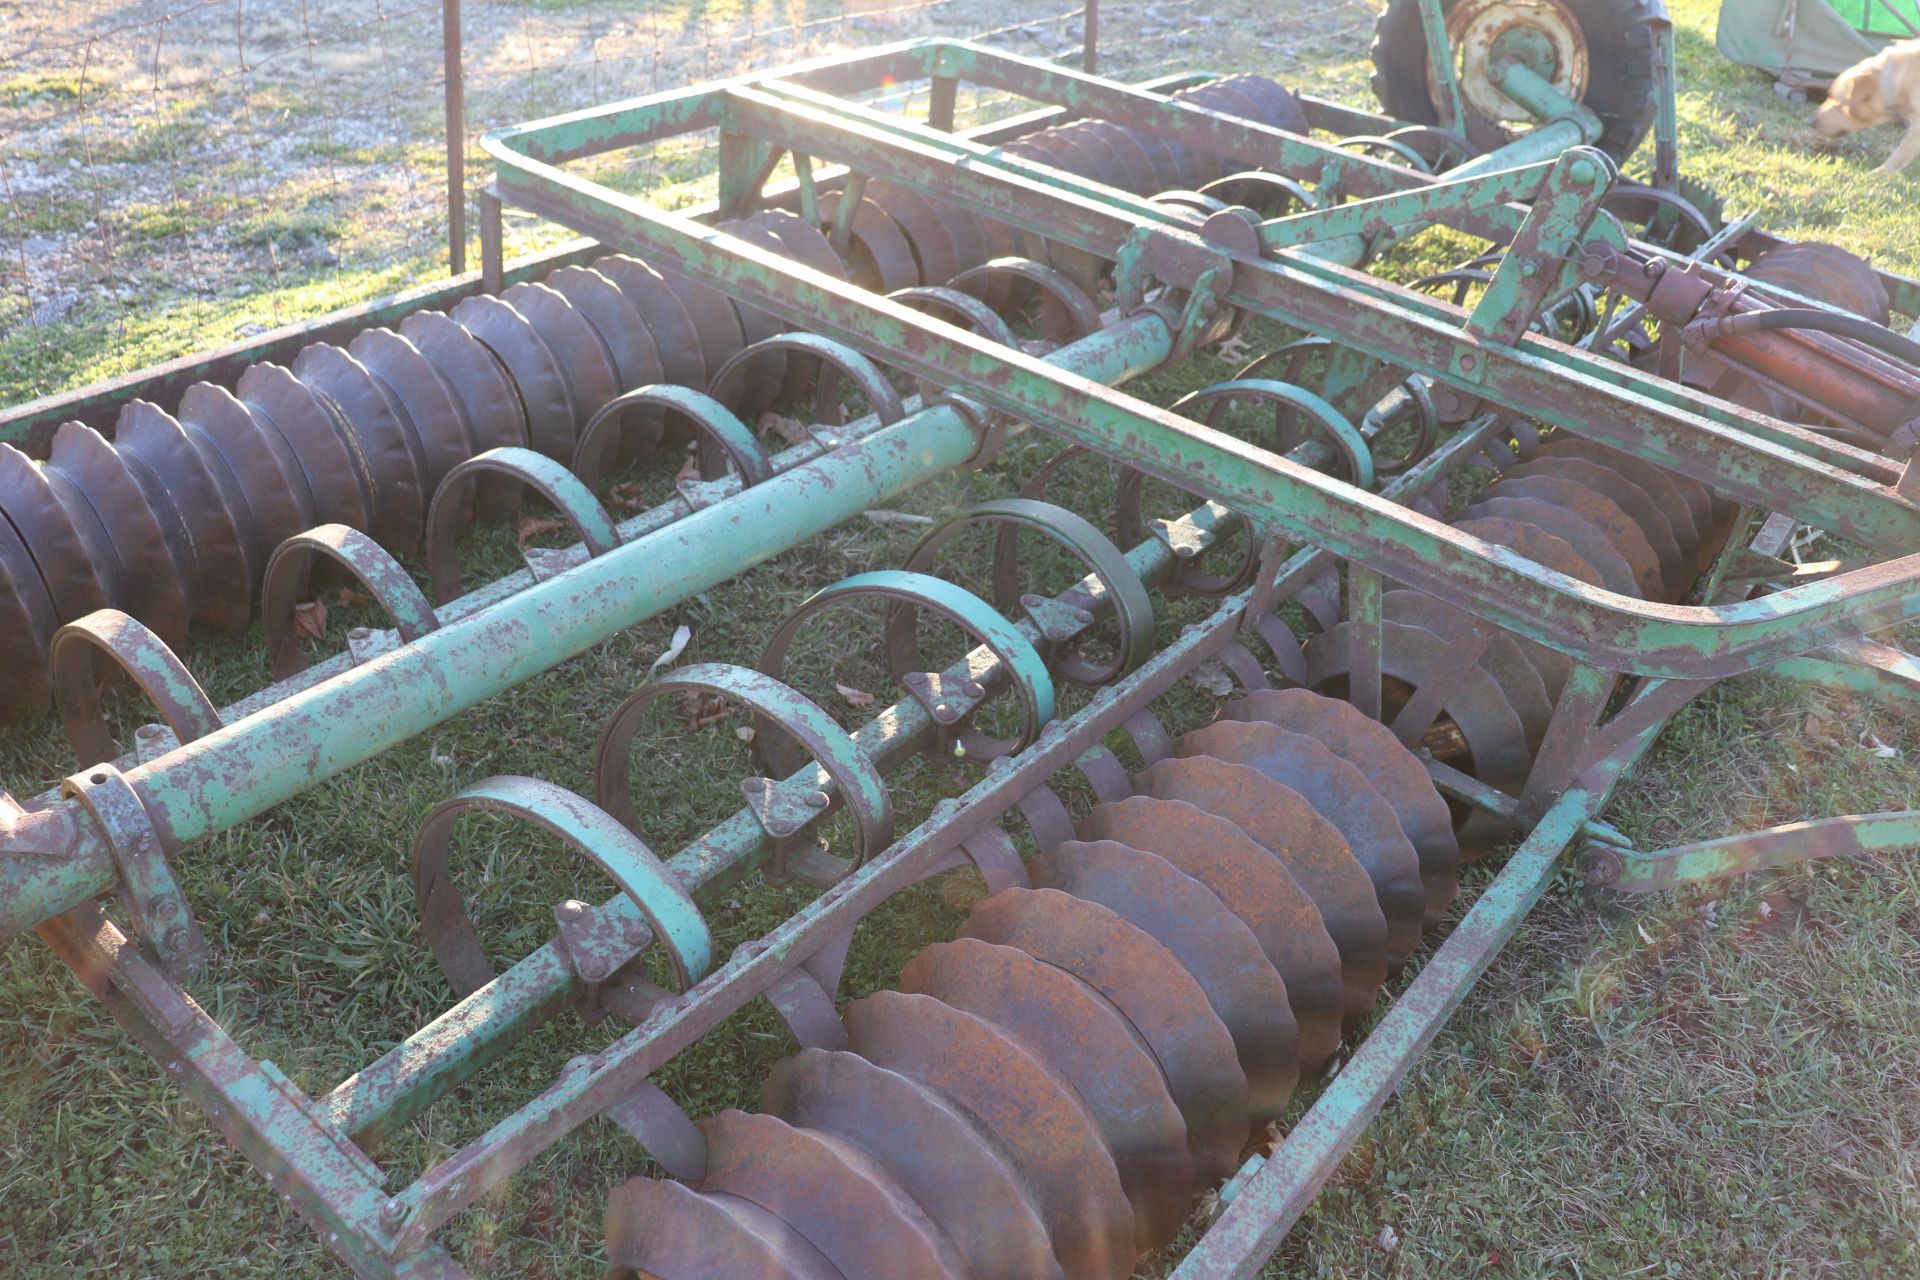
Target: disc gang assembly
x: 1464, y: 548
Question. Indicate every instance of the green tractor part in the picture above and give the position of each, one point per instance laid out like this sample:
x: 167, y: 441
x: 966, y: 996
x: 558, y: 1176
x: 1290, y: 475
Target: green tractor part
x: 1450, y: 556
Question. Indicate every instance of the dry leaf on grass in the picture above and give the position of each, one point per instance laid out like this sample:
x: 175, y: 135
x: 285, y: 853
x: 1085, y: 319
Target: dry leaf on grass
x: 690, y: 469
x: 880, y: 515
x: 792, y: 430
x: 855, y: 697
x: 533, y: 526
x: 1234, y: 349
x: 627, y: 496
x: 310, y: 620
x: 699, y: 709
x: 348, y: 598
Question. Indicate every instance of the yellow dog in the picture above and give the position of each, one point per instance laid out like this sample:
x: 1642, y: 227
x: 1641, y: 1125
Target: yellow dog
x: 1884, y: 87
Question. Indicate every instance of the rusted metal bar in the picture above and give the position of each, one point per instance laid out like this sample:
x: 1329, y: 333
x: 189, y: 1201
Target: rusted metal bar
x: 455, y: 70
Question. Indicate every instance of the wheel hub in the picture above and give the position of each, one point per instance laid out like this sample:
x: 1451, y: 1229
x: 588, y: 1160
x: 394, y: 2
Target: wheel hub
x: 1544, y: 34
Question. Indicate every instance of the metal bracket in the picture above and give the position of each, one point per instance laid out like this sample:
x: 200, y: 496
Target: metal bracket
x: 1196, y: 273
x: 159, y: 909
x: 1541, y: 263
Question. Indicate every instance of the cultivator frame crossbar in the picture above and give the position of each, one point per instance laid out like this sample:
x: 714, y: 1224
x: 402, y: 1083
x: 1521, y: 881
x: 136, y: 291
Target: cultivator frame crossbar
x: 1184, y: 272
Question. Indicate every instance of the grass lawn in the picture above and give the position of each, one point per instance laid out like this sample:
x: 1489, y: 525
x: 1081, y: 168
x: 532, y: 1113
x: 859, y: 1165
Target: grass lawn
x: 1688, y: 1085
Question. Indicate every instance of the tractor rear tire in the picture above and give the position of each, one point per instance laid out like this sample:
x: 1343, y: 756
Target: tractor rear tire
x: 1620, y: 50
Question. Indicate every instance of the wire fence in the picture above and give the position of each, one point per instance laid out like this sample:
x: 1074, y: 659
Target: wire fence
x: 220, y: 167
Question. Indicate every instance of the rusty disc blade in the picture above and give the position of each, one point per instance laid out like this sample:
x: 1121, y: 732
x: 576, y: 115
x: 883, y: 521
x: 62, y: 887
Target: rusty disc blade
x: 713, y: 318
x: 1086, y: 1041
x: 156, y: 592
x: 1536, y: 544
x: 1684, y: 499
x: 927, y: 235
x: 969, y: 241
x: 1255, y: 886
x: 636, y: 360
x: 483, y: 392
x: 594, y: 295
x: 1395, y: 772
x: 1595, y: 508
x: 937, y: 1156
x: 277, y: 488
x: 762, y: 377
x: 1152, y: 990
x: 175, y: 533
x: 1209, y: 941
x: 1168, y: 174
x: 1103, y: 163
x: 27, y: 624
x: 659, y: 1230
x: 1585, y: 537
x: 429, y: 410
x: 546, y: 397
x: 149, y: 437
x: 1507, y: 660
x: 336, y: 474
x: 1834, y: 275
x: 1030, y: 1112
x: 1477, y: 730
x: 583, y: 356
x: 1278, y: 107
x: 675, y: 340
x: 879, y: 258
x: 803, y: 242
x: 28, y: 497
x: 838, y: 1197
x: 1655, y: 525
x: 399, y: 472
x: 1136, y: 168
x: 1342, y: 795
x: 1280, y: 819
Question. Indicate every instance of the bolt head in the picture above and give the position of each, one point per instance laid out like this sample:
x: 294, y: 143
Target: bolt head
x: 177, y: 939
x: 973, y: 689
x: 1583, y: 171
x: 358, y: 633
x: 818, y: 799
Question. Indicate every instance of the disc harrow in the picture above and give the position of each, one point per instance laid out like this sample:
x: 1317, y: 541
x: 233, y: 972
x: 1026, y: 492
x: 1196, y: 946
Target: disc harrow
x: 1444, y: 559
x: 174, y: 521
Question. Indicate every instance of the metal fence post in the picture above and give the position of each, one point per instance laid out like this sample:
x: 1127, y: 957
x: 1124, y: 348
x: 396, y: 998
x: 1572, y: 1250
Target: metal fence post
x: 456, y: 140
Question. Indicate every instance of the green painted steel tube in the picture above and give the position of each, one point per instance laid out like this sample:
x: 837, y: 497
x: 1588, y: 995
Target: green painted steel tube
x: 1791, y: 843
x: 247, y: 767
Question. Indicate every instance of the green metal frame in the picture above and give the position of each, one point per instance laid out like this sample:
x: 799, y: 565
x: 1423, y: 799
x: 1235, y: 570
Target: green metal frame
x: 1181, y: 277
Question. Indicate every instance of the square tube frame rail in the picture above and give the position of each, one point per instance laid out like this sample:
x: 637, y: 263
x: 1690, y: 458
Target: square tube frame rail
x: 1292, y: 271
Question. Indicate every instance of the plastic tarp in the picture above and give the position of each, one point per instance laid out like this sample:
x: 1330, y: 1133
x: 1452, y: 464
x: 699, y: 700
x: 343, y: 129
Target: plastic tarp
x: 1809, y: 42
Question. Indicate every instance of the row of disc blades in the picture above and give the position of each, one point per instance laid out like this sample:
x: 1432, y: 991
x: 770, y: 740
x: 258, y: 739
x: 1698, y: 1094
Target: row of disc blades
x: 174, y: 519
x: 1578, y: 507
x: 1045, y: 1095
